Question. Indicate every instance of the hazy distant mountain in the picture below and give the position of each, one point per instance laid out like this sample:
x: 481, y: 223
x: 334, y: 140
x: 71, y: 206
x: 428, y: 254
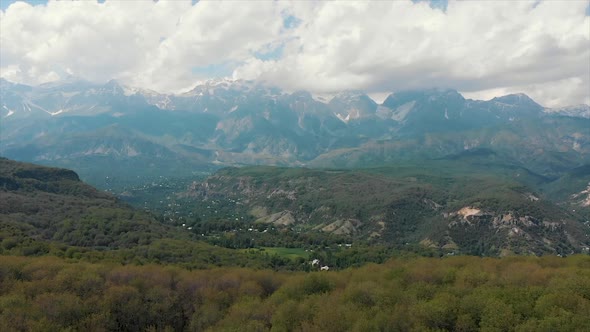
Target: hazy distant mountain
x: 224, y: 122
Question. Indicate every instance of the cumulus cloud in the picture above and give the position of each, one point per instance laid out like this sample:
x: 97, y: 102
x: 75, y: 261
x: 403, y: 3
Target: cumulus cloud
x: 145, y: 43
x: 541, y: 48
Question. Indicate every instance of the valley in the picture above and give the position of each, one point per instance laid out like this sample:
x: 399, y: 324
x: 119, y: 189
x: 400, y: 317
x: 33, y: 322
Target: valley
x: 450, y: 206
x: 344, y: 170
x: 74, y: 257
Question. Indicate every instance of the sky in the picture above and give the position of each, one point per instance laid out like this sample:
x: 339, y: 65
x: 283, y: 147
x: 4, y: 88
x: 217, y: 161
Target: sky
x: 480, y: 48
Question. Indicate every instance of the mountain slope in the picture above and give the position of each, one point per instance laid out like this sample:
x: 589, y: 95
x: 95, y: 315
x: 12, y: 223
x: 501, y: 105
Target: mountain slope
x: 52, y: 204
x: 572, y: 190
x: 443, y: 205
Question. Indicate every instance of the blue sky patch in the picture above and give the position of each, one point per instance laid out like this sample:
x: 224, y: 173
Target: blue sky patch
x: 435, y: 4
x: 291, y: 22
x: 271, y: 54
x: 5, y: 3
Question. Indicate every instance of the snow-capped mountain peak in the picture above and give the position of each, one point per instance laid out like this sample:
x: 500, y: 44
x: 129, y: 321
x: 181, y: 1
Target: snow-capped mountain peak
x: 577, y: 111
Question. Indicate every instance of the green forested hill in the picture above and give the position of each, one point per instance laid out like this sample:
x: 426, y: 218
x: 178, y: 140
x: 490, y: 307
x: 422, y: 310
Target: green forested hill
x: 51, y: 204
x: 573, y: 189
x: 448, y: 205
x: 475, y: 208
x: 49, y: 211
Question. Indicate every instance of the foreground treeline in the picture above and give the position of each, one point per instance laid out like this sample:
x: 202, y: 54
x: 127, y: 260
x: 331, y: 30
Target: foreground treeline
x: 404, y: 294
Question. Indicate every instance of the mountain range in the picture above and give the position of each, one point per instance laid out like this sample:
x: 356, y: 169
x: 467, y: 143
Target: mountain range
x: 101, y: 129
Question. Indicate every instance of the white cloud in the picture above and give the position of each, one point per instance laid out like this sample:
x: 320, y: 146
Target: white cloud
x: 542, y: 50
x: 476, y: 47
x: 150, y: 44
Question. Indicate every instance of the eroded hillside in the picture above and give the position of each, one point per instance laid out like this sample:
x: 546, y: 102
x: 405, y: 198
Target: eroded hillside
x: 476, y: 213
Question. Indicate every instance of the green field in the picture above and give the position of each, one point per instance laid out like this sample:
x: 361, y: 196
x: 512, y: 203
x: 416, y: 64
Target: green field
x: 292, y: 253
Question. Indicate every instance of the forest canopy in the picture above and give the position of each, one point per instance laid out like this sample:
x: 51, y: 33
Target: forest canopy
x: 403, y: 294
